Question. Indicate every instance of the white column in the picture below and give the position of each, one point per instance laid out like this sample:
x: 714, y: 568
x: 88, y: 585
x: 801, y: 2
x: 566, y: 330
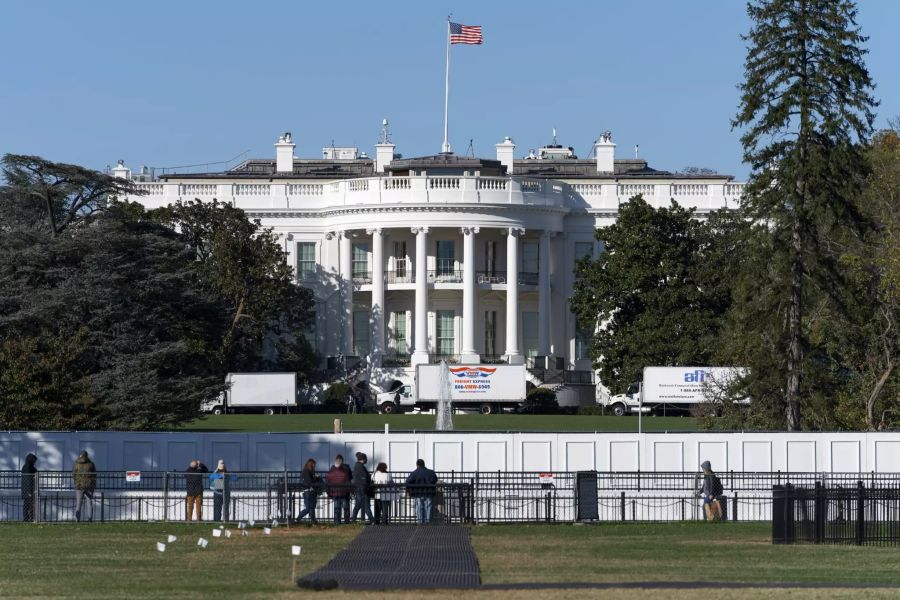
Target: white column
x: 420, y: 316
x: 544, y: 295
x: 378, y: 315
x: 468, y: 353
x: 346, y: 268
x: 513, y: 356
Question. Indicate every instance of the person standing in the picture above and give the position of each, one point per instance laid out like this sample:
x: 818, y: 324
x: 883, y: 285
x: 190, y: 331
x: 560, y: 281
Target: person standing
x: 711, y: 491
x: 362, y: 483
x: 193, y: 485
x: 421, y: 485
x: 310, y: 483
x: 385, y: 494
x: 337, y: 483
x: 29, y: 477
x: 84, y: 476
x: 219, y: 482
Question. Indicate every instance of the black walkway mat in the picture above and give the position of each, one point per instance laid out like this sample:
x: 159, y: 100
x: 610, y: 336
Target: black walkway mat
x: 402, y: 557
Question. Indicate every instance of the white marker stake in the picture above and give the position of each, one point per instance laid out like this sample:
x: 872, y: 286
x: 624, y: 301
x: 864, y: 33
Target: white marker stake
x: 252, y: 522
x: 203, y: 543
x: 245, y: 533
x: 228, y: 533
x: 295, y: 550
x: 274, y: 522
x: 172, y: 538
x: 160, y: 546
x: 241, y: 525
x: 217, y: 533
x: 266, y: 530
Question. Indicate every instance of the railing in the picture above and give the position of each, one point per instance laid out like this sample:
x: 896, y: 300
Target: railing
x: 251, y: 189
x: 396, y: 183
x: 362, y: 278
x: 304, y: 189
x: 494, y: 496
x: 396, y: 360
x: 492, y: 183
x: 450, y: 359
x: 445, y: 276
x: 629, y: 190
x: 489, y: 277
x: 492, y: 359
x: 690, y: 189
x: 197, y: 189
x: 528, y: 278
x: 443, y: 183
x: 405, y: 276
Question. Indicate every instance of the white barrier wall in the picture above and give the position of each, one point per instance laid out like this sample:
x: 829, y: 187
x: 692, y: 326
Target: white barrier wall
x: 797, y: 452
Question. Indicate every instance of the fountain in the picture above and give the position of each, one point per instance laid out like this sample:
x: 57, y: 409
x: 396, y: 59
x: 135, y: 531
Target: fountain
x: 444, y: 407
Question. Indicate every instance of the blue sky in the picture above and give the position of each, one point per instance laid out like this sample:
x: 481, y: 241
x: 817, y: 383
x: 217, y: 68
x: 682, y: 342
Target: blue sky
x: 171, y: 83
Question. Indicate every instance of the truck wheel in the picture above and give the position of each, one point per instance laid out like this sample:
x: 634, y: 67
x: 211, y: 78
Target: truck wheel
x: 269, y: 411
x: 388, y: 408
x: 619, y: 410
x: 486, y: 409
x: 218, y: 410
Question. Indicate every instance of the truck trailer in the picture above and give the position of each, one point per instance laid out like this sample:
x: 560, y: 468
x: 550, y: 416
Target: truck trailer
x: 677, y: 388
x: 266, y: 393
x: 486, y: 388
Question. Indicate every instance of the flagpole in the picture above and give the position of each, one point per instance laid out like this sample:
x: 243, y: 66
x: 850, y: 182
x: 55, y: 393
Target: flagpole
x: 445, y: 148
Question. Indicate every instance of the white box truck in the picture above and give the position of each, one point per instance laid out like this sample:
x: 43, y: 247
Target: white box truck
x: 673, y: 387
x: 256, y: 392
x: 487, y: 388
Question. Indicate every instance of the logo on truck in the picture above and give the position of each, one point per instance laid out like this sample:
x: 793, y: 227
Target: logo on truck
x: 697, y: 376
x: 472, y: 371
x: 472, y: 380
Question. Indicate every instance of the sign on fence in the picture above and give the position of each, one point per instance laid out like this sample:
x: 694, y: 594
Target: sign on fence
x: 546, y: 478
x: 133, y: 476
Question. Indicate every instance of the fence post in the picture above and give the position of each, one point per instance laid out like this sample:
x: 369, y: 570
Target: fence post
x: 166, y: 496
x: 779, y: 510
x: 622, y: 505
x: 36, y: 502
x: 288, y: 501
x: 860, y: 513
x: 819, y: 515
x: 547, y: 504
x: 734, y: 505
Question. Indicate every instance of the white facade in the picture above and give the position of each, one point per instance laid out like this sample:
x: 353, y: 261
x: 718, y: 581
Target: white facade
x: 413, y: 260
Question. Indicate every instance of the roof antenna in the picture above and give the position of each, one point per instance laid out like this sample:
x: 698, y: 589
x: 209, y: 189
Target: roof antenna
x: 554, y: 136
x: 385, y: 132
x: 637, y: 147
x: 471, y: 150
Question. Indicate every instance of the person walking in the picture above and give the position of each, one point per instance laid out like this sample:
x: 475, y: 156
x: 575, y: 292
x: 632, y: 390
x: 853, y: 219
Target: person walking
x: 29, y: 476
x: 193, y: 485
x: 362, y: 484
x: 711, y: 491
x: 337, y: 483
x: 219, y: 482
x: 421, y: 485
x: 385, y: 494
x: 84, y: 476
x: 310, y: 483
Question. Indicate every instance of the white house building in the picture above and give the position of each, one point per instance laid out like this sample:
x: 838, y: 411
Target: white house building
x: 416, y: 259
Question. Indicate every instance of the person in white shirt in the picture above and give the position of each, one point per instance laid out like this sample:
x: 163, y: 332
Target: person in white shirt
x: 386, y: 493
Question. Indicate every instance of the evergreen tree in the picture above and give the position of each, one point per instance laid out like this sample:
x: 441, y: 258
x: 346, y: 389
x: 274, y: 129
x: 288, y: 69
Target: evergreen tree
x: 806, y: 106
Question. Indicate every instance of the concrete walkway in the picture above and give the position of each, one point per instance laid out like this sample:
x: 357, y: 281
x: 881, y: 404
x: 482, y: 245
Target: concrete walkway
x: 402, y: 557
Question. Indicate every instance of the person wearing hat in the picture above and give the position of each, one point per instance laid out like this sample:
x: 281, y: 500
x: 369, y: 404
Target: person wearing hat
x: 711, y: 492
x: 362, y: 482
x: 84, y: 476
x: 29, y: 474
x: 219, y: 487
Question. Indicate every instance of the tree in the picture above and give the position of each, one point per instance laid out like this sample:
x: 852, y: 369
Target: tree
x: 55, y: 196
x: 806, y: 106
x: 658, y: 292
x: 245, y: 264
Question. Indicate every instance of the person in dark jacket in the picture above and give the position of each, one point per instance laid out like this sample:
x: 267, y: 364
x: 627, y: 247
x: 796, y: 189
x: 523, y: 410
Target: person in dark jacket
x: 362, y: 483
x: 310, y: 483
x: 193, y: 485
x: 84, y: 476
x: 219, y: 482
x: 337, y: 483
x: 711, y: 491
x: 29, y: 474
x: 421, y: 485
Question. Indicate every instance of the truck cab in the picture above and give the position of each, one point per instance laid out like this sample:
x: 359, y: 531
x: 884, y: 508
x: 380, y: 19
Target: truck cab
x: 393, y: 401
x: 627, y: 403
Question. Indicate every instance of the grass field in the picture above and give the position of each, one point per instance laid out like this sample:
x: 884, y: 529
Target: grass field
x: 410, y: 422
x: 120, y: 560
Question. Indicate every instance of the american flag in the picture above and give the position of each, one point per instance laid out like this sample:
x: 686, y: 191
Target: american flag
x: 465, y: 34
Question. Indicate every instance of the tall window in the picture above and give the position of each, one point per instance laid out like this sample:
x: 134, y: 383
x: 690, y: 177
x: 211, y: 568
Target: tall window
x: 490, y: 258
x: 530, y: 253
x: 400, y: 344
x: 584, y: 250
x: 446, y: 257
x: 311, y: 333
x: 361, y: 260
x: 361, y: 333
x: 583, y: 337
x: 530, y: 333
x: 400, y: 260
x: 490, y: 332
x: 445, y: 332
x: 306, y: 260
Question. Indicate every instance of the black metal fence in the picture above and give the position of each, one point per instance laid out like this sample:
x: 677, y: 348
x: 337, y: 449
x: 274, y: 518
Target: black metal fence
x: 475, y: 497
x: 853, y: 514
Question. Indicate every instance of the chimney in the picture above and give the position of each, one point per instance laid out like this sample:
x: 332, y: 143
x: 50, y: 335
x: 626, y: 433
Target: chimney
x: 604, y: 152
x: 505, y: 150
x: 121, y: 171
x: 384, y: 149
x: 284, y: 154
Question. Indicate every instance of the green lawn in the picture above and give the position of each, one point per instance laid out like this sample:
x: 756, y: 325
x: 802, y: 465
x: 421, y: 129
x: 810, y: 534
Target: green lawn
x: 410, y: 422
x: 120, y: 561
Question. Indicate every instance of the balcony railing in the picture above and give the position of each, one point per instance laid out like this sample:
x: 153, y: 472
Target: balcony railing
x: 445, y: 276
x: 490, y: 277
x: 528, y: 278
x: 395, y: 360
x: 439, y: 276
x: 451, y: 359
x: 362, y: 278
x: 492, y: 359
x: 404, y: 276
